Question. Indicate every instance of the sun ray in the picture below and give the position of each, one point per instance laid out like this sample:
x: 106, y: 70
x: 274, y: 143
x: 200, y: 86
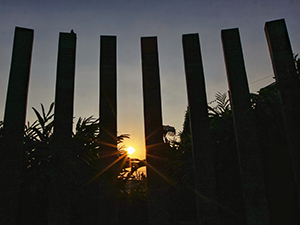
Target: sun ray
x: 113, y: 153
x: 158, y: 129
x: 156, y: 157
x: 110, y: 104
x: 109, y: 166
x: 155, y: 145
x: 160, y: 174
x: 107, y: 144
x: 105, y: 131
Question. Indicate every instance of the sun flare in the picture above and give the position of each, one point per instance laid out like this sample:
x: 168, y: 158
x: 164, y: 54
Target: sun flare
x: 130, y: 150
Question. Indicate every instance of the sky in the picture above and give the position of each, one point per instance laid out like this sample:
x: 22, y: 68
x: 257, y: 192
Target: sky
x: 130, y: 20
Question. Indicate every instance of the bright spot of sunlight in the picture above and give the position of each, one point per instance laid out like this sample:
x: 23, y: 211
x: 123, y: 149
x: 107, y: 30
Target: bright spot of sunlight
x: 130, y: 150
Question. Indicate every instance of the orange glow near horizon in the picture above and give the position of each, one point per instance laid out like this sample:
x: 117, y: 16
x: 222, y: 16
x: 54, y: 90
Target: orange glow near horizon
x: 105, y: 169
x: 138, y: 145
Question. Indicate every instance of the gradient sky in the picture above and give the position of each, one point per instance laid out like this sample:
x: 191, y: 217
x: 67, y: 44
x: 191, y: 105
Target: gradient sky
x: 130, y: 20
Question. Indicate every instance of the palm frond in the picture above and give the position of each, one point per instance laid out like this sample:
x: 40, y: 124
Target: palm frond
x: 50, y: 109
x: 41, y: 121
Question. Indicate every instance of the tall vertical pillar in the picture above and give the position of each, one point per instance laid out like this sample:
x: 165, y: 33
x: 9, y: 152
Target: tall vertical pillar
x: 64, y: 95
x: 63, y: 123
x: 17, y: 92
x: 108, y: 121
x: 108, y: 91
x: 157, y: 189
x: 205, y: 184
x: 289, y: 90
x: 14, y: 121
x: 256, y: 208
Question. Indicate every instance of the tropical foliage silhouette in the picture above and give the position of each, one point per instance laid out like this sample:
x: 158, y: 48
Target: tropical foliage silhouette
x: 44, y: 169
x: 268, y: 120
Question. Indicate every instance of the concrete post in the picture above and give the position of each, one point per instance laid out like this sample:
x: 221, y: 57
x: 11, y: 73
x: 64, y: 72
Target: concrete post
x: 205, y: 184
x: 108, y: 121
x: 288, y: 85
x: 256, y: 208
x: 14, y: 121
x: 157, y: 188
x: 64, y: 96
x: 63, y: 123
x: 108, y: 92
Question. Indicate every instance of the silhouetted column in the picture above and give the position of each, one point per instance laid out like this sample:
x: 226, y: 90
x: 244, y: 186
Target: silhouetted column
x: 14, y: 121
x: 256, y: 208
x: 289, y: 89
x: 201, y: 142
x: 157, y: 204
x: 63, y: 123
x: 64, y: 96
x: 108, y: 119
x: 227, y: 172
x: 108, y: 91
x: 279, y: 180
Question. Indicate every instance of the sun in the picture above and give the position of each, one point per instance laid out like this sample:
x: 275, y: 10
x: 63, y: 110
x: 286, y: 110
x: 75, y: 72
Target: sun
x: 130, y: 150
